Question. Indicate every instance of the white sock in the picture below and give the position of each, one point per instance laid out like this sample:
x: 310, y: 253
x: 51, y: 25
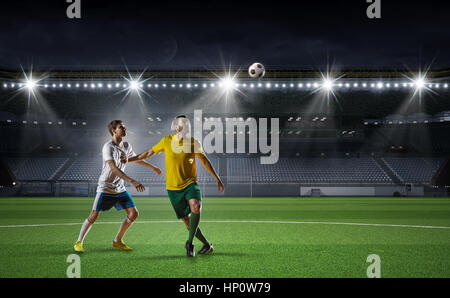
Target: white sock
x: 84, y: 229
x: 123, y: 228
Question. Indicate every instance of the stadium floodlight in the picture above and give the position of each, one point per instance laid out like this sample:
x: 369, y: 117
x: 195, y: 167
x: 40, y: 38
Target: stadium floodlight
x: 420, y: 83
x: 227, y: 83
x: 134, y: 85
x: 380, y: 85
x: 30, y: 84
x: 327, y: 84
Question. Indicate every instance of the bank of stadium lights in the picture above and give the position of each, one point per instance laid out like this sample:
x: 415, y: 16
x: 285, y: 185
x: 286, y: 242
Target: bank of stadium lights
x: 229, y: 84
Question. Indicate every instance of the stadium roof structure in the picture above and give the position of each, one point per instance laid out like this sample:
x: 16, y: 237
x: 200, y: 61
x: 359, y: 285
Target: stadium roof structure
x: 273, y: 73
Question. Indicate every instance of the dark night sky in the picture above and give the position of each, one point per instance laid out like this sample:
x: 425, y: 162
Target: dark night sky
x: 198, y: 34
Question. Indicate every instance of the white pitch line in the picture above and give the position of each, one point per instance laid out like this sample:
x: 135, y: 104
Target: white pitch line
x: 242, y: 221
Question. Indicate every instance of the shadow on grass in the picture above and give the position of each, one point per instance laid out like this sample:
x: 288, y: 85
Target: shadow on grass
x: 197, y: 256
x: 93, y: 251
x: 89, y: 251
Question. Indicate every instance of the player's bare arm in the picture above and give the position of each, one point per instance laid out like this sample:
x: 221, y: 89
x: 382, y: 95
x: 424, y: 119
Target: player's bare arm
x: 208, y: 166
x: 144, y: 155
x: 139, y: 159
x: 116, y: 171
x: 149, y: 165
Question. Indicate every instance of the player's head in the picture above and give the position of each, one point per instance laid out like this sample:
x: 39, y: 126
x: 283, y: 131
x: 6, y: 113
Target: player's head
x: 117, y: 128
x: 181, y: 124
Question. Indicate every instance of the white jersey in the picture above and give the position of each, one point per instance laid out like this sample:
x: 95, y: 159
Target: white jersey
x: 108, y: 182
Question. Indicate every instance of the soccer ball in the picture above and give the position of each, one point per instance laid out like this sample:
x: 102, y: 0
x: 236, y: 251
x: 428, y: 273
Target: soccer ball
x: 256, y: 70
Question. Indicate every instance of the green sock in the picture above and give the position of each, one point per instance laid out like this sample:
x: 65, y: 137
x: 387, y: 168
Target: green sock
x: 200, y: 236
x: 194, y: 219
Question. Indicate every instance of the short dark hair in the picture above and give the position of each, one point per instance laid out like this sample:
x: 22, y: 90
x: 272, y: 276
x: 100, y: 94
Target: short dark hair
x: 180, y: 116
x: 113, y: 125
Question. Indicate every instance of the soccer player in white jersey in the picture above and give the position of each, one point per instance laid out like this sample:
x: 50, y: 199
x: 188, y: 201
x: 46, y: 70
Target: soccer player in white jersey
x: 111, y: 189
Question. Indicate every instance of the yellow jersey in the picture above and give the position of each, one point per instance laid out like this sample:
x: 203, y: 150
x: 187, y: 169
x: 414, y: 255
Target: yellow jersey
x: 180, y: 160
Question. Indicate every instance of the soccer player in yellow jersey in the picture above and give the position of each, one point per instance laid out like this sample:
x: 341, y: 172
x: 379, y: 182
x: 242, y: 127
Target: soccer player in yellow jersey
x: 180, y: 150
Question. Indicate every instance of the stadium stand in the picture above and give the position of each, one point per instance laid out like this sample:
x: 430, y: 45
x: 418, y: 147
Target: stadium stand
x: 414, y: 170
x: 305, y: 170
x: 364, y: 170
x: 310, y: 170
x: 27, y: 169
x: 83, y: 169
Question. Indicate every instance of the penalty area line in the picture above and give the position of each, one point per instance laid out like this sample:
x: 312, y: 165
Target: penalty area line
x: 241, y: 221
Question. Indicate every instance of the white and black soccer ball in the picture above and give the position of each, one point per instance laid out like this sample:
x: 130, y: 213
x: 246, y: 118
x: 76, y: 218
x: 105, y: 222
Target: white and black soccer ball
x: 256, y: 70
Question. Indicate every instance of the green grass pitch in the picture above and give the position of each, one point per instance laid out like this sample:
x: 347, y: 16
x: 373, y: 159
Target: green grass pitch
x: 252, y: 237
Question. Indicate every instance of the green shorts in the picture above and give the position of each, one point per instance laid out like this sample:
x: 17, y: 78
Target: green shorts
x: 180, y: 199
